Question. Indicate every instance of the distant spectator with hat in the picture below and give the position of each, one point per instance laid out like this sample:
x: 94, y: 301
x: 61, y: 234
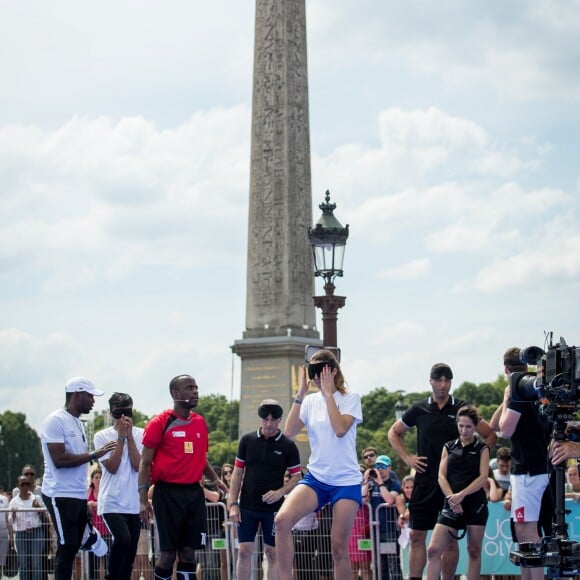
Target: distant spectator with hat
x: 383, y: 487
x: 66, y: 456
x: 330, y: 416
x: 435, y: 419
x: 258, y: 487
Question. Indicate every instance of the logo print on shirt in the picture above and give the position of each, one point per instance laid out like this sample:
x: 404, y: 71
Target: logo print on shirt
x: 188, y: 447
x: 520, y: 514
x: 178, y: 433
x: 277, y: 452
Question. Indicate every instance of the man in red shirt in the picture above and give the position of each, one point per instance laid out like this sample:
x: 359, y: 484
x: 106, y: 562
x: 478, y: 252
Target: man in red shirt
x: 174, y: 459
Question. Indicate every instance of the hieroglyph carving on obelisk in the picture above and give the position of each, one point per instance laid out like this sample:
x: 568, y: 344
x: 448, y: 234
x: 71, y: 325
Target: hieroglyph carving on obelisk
x: 280, y: 283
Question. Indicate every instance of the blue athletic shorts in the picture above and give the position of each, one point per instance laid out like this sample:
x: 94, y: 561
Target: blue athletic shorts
x: 331, y: 493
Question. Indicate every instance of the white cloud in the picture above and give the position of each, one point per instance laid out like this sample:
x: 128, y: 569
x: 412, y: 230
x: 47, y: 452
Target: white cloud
x: 96, y: 198
x: 412, y: 270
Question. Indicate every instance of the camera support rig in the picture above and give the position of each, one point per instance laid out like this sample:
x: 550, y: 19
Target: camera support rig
x: 558, y: 385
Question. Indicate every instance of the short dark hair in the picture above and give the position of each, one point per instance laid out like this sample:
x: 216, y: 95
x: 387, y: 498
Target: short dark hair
x: 504, y: 453
x: 119, y: 401
x: 175, y: 380
x: 469, y: 411
x: 512, y: 361
x: 439, y: 370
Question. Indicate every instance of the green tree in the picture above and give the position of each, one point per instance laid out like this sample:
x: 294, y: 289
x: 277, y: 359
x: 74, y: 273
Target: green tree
x: 19, y: 445
x: 378, y: 408
x: 482, y: 394
x: 222, y: 417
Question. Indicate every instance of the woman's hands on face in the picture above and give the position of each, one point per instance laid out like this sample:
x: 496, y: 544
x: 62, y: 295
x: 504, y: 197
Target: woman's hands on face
x: 327, y: 381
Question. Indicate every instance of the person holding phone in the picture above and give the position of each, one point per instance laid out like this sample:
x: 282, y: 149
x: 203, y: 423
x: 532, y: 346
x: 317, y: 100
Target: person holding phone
x: 119, y: 500
x: 330, y: 417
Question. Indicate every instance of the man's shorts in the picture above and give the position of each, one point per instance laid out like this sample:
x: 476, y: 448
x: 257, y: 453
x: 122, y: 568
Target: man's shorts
x: 248, y: 527
x: 527, y: 492
x: 331, y: 493
x: 180, y: 516
x: 425, y: 505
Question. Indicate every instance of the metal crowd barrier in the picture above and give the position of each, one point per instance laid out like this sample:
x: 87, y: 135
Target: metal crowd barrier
x: 312, y: 559
x: 36, y: 558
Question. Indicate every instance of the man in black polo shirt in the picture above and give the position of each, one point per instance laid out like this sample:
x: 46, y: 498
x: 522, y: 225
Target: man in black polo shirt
x: 261, y: 462
x: 435, y: 419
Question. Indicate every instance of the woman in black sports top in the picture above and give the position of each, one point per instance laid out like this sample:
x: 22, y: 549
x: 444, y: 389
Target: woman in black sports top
x: 462, y: 474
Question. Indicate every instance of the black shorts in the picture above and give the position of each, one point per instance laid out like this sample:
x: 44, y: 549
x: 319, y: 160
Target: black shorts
x: 425, y: 505
x: 180, y: 516
x: 248, y: 527
x: 475, y: 513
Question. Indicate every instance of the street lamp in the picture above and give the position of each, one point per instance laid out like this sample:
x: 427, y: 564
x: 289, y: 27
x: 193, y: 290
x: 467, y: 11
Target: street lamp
x: 328, y: 241
x: 400, y: 408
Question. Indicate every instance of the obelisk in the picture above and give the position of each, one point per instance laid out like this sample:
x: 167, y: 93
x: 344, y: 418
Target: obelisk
x: 280, y: 314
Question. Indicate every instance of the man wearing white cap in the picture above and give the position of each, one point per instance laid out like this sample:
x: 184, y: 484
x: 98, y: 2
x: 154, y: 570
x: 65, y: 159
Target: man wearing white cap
x: 64, y: 485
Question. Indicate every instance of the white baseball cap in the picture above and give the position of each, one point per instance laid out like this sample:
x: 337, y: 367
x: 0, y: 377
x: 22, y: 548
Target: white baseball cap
x: 80, y: 384
x: 93, y: 541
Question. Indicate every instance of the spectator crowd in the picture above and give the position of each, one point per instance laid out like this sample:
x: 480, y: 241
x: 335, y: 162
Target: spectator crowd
x: 160, y: 478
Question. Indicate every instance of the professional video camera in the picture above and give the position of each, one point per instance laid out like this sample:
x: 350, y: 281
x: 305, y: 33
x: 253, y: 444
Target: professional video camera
x: 555, y: 387
x: 557, y: 380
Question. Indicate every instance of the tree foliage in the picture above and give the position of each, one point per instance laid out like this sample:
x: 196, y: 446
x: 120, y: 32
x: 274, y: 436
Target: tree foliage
x: 222, y: 417
x: 19, y: 446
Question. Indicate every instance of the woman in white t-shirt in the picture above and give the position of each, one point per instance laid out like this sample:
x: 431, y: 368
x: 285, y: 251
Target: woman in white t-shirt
x: 27, y: 525
x: 330, y: 417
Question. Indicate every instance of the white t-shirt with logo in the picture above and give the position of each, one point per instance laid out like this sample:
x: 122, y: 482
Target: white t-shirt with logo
x: 62, y: 427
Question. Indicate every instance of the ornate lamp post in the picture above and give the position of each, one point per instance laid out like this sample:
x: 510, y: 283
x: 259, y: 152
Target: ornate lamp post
x: 328, y: 241
x: 400, y: 408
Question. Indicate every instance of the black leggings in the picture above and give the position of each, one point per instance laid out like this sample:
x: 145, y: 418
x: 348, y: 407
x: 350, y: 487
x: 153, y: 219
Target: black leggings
x: 125, y: 529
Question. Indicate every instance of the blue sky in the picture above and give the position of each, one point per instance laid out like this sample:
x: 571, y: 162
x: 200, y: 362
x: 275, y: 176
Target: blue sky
x: 447, y: 135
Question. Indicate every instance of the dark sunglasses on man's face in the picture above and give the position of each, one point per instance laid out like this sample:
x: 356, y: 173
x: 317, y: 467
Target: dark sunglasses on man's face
x: 369, y: 455
x: 315, y: 369
x: 118, y: 413
x: 29, y: 474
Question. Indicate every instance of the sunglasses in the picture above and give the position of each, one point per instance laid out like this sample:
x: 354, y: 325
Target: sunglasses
x: 381, y: 465
x: 24, y: 484
x: 29, y: 474
x: 118, y: 413
x: 369, y: 455
x: 315, y: 369
x: 227, y: 472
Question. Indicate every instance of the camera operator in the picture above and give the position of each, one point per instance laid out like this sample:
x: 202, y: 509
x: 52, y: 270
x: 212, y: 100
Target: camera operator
x: 529, y: 433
